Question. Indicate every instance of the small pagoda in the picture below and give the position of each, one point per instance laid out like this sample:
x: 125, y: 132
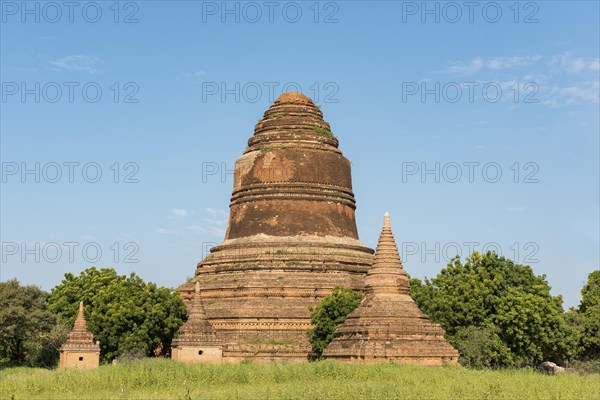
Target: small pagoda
x: 80, y: 350
x: 388, y: 324
x: 197, y: 341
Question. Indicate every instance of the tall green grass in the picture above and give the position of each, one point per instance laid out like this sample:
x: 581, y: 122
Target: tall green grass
x: 166, y: 379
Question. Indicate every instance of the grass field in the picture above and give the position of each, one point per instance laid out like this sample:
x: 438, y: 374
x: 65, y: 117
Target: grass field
x: 166, y: 379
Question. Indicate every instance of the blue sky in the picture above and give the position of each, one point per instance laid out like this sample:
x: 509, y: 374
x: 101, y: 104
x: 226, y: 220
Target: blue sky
x: 161, y: 97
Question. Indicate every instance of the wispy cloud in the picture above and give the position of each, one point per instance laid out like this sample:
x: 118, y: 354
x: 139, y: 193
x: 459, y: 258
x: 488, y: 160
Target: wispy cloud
x: 194, y: 75
x: 473, y: 66
x: 213, y: 221
x: 163, y: 231
x: 573, y: 65
x: 213, y: 225
x: 565, y: 62
x: 573, y: 93
x: 181, y: 213
x: 77, y: 63
x: 217, y: 213
x: 496, y: 63
x: 548, y: 80
x: 207, y: 230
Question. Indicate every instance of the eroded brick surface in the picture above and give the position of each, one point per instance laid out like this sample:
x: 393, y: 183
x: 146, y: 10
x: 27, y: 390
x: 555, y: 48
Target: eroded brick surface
x: 291, y: 237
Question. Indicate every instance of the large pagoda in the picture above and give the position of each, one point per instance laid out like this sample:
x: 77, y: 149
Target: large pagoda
x: 291, y: 237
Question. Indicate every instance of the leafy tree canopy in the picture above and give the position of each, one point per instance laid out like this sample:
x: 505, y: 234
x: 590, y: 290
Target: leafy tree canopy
x: 331, y: 312
x: 123, y: 312
x: 501, y: 305
x: 586, y: 319
x: 29, y: 334
x: 590, y: 294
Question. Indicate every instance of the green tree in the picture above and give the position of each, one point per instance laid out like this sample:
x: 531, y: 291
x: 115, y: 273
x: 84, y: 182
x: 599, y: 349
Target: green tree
x: 507, y: 301
x: 586, y: 319
x: 28, y: 331
x: 331, y: 312
x: 590, y: 294
x: 123, y: 312
x: 481, y: 347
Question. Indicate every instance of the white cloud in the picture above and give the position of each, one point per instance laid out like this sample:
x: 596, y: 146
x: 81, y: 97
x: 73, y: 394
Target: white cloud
x: 575, y: 93
x: 473, y: 66
x: 212, y: 221
x: 193, y: 75
x: 511, y: 62
x: 181, y: 213
x: 477, y: 64
x: 573, y: 65
x: 207, y: 230
x: 214, y: 224
x: 217, y: 213
x: 78, y: 63
x: 217, y: 218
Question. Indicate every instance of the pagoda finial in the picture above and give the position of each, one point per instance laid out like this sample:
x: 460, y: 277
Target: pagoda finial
x: 386, y: 246
x: 386, y: 275
x: 197, y: 329
x: 80, y: 322
x: 79, y: 335
x: 196, y: 312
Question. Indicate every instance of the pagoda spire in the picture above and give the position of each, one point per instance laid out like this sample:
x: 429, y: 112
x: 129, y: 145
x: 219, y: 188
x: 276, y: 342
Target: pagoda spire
x: 197, y: 329
x: 388, y: 325
x: 197, y: 341
x: 197, y: 315
x: 80, y: 333
x: 80, y: 350
x: 80, y: 323
x: 386, y: 276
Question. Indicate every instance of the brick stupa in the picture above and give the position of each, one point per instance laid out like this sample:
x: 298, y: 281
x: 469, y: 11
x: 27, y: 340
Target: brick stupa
x: 197, y: 341
x: 80, y: 350
x: 291, y: 237
x: 388, y: 324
